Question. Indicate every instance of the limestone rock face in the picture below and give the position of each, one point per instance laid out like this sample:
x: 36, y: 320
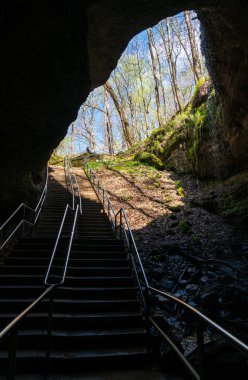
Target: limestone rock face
x: 54, y: 52
x: 225, y: 42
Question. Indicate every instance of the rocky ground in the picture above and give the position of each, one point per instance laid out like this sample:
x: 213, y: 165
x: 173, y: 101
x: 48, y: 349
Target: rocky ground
x: 186, y: 250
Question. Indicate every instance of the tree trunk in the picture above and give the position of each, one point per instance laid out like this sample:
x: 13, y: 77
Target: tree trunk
x: 194, y: 51
x: 107, y: 123
x: 172, y: 65
x: 142, y: 88
x: 124, y: 121
x: 155, y: 77
x: 72, y: 139
x: 160, y: 79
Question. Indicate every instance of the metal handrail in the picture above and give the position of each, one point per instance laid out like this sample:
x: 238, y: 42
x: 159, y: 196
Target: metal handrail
x: 35, y: 210
x: 145, y: 293
x: 103, y: 195
x: 241, y: 346
x: 26, y: 311
x: 12, y: 327
x: 73, y: 184
x: 56, y: 246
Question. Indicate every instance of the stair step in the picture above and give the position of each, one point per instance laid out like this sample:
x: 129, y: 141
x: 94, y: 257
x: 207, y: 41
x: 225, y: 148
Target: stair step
x: 62, y: 305
x: 70, y: 280
x: 73, y: 320
x: 71, y: 360
x: 74, y: 254
x: 76, y: 339
x: 80, y: 262
x: 73, y: 271
x: 77, y: 242
x: 69, y: 292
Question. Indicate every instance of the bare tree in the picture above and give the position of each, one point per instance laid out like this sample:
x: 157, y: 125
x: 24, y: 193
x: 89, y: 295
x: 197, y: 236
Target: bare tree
x: 72, y: 139
x: 155, y: 76
x: 168, y: 46
x: 128, y: 135
x: 108, y: 124
x: 194, y: 51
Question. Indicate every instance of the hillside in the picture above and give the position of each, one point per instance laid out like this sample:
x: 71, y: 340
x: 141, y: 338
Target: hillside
x: 186, y: 249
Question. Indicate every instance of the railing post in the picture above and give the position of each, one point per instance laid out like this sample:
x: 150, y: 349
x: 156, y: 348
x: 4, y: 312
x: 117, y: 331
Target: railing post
x: 49, y: 331
x: 115, y: 225
x: 130, y: 240
x: 12, y: 354
x: 103, y: 199
x: 23, y: 218
x: 120, y: 224
x: 200, y: 347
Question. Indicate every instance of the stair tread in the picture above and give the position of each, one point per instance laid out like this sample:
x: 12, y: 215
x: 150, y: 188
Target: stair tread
x: 103, y: 352
x: 74, y: 301
x: 86, y: 332
x: 82, y: 315
x: 85, y: 288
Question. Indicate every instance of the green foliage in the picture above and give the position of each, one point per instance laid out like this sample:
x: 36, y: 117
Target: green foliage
x: 149, y: 159
x: 181, y: 192
x: 97, y: 164
x: 184, y: 226
x: 127, y: 165
x: 55, y: 158
x: 126, y: 197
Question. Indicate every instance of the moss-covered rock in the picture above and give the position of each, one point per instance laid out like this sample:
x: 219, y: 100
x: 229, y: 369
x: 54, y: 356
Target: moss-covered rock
x: 192, y: 140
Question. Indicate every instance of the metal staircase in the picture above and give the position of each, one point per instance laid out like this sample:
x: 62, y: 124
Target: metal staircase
x: 89, y: 315
x: 74, y: 295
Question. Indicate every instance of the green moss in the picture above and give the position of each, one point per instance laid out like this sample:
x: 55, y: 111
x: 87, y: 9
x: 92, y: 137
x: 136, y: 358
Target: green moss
x: 200, y: 82
x: 149, y: 159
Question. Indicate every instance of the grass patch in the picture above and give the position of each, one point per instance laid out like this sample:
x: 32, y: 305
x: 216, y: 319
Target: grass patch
x: 150, y: 159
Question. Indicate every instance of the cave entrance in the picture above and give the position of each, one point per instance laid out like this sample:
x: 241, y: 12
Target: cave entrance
x: 154, y: 80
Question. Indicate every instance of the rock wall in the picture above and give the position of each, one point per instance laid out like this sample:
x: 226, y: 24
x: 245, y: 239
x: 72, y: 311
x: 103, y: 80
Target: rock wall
x: 54, y: 52
x: 225, y: 43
